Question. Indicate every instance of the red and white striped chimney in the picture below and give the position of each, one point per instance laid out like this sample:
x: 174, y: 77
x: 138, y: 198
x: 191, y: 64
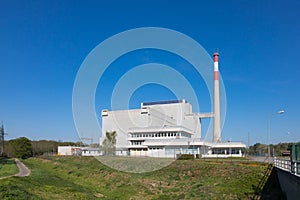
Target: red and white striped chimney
x: 217, y: 130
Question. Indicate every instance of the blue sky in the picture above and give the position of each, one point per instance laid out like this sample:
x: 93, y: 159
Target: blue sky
x: 43, y: 44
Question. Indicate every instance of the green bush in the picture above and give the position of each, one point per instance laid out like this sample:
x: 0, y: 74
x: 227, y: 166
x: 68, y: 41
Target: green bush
x: 187, y: 156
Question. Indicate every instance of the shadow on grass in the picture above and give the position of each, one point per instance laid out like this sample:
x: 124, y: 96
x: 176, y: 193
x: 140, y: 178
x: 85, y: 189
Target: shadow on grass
x: 5, y: 161
x: 12, y: 191
x: 47, y: 184
x: 135, y: 164
x: 271, y: 189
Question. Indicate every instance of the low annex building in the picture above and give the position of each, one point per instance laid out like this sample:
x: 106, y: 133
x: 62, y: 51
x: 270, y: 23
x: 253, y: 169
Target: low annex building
x: 77, y: 151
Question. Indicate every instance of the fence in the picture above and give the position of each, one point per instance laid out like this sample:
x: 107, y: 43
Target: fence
x: 288, y: 165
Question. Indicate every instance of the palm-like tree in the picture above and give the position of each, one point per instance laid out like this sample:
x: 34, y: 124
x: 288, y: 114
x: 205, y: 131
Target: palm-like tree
x: 109, y: 143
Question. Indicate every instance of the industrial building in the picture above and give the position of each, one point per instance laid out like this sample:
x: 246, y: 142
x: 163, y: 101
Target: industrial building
x: 77, y: 151
x: 168, y: 129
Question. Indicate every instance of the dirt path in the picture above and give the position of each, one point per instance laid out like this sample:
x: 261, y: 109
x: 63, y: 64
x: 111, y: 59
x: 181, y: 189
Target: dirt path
x: 23, y: 170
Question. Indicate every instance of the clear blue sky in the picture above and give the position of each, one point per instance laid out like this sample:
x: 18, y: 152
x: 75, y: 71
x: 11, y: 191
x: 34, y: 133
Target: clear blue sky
x: 43, y: 43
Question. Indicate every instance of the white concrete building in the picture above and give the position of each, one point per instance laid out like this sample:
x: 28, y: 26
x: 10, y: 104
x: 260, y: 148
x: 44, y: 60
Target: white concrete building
x: 77, y: 151
x: 68, y: 151
x: 163, y: 129
x: 168, y: 128
x: 88, y: 151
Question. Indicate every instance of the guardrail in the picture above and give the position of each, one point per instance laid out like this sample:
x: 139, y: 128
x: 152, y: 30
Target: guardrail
x: 288, y: 165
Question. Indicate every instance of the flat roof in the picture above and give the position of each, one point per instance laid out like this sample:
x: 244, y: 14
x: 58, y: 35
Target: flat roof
x: 158, y: 129
x: 183, y: 142
x: 163, y: 102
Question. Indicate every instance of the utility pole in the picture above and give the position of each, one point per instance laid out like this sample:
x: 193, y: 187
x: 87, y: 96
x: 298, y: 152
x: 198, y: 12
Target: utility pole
x: 248, y: 149
x: 2, y: 133
x: 248, y: 140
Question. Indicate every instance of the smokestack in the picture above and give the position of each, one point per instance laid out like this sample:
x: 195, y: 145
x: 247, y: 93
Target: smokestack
x: 217, y: 130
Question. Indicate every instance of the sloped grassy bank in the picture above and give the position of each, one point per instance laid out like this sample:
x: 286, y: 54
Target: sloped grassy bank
x: 86, y: 178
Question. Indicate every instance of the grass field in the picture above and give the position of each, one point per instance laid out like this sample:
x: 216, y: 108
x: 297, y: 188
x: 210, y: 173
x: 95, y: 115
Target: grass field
x: 87, y: 178
x: 8, y: 167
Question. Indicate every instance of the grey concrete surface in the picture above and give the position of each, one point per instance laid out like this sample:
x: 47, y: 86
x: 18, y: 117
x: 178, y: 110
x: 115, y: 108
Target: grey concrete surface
x: 23, y: 170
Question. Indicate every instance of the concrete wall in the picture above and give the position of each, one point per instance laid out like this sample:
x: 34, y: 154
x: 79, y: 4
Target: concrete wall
x: 175, y: 114
x: 289, y: 183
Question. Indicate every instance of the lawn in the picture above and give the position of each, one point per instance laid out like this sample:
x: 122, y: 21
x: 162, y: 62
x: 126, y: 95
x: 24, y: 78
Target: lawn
x: 86, y: 178
x: 8, y: 167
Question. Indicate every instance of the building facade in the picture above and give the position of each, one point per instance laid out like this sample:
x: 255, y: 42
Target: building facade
x: 163, y: 129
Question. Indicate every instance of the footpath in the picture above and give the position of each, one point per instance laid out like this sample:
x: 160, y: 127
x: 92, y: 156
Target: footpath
x: 23, y: 170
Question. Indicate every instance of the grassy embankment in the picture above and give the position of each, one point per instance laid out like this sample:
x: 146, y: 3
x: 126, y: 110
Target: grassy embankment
x: 8, y: 167
x: 87, y: 178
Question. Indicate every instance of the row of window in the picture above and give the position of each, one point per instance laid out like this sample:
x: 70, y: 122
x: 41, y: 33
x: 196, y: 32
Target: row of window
x: 152, y: 148
x: 138, y: 150
x: 149, y: 135
x: 155, y: 148
x: 136, y: 142
x: 225, y: 151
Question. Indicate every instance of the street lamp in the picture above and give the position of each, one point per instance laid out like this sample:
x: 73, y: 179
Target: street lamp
x: 269, y: 130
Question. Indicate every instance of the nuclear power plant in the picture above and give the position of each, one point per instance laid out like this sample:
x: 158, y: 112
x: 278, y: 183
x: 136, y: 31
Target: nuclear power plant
x: 168, y: 129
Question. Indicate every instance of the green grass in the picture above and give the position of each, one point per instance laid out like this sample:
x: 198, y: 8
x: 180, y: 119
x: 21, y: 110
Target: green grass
x: 135, y: 164
x: 8, y: 167
x: 87, y: 178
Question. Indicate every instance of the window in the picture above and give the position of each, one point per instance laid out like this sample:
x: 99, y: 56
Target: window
x: 218, y: 151
x: 235, y: 151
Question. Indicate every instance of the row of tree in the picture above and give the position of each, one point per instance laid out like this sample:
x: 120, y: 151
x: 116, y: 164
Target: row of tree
x: 262, y: 149
x: 23, y: 147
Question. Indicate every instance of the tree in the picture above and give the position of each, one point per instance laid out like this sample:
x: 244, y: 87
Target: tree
x: 262, y: 149
x: 21, y: 147
x: 258, y: 149
x: 109, y: 143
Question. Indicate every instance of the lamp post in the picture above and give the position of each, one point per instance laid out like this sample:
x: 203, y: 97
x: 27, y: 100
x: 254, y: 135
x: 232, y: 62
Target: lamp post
x: 269, y: 130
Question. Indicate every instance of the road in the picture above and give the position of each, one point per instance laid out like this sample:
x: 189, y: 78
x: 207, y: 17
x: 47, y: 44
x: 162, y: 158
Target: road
x: 260, y: 159
x: 23, y: 170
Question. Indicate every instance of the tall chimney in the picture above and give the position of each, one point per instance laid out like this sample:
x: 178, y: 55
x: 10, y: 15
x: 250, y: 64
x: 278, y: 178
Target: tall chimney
x: 217, y: 130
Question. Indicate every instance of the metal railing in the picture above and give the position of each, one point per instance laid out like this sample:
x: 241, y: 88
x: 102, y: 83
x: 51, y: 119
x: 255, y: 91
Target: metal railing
x: 288, y: 165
